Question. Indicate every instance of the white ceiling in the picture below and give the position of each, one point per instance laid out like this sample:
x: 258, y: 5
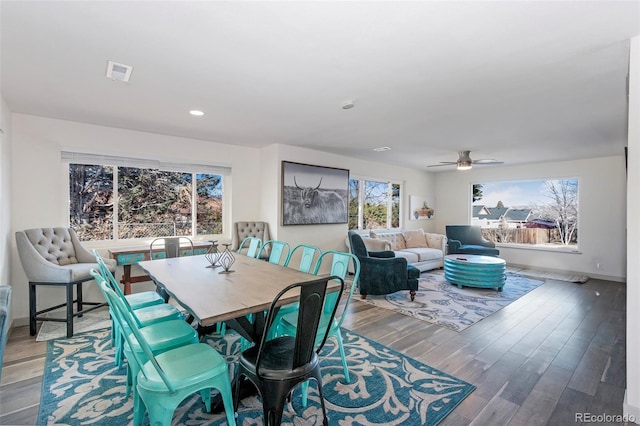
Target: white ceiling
x: 517, y: 81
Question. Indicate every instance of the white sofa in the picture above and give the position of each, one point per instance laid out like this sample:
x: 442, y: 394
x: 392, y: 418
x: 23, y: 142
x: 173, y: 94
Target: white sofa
x: 423, y: 250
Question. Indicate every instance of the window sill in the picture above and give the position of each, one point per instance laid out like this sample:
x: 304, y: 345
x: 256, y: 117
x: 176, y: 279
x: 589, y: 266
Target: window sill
x: 549, y: 248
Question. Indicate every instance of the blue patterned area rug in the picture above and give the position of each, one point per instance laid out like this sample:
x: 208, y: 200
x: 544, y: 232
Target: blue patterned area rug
x: 439, y: 302
x: 83, y: 386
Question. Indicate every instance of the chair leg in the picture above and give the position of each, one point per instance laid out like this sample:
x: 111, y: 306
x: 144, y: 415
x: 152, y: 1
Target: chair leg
x: 32, y: 309
x: 205, y: 395
x: 273, y: 407
x: 160, y: 415
x: 412, y: 294
x: 225, y: 390
x: 318, y: 377
x: 79, y: 297
x: 304, y: 388
x: 338, y: 336
x: 236, y: 391
x: 139, y: 409
x: 69, y: 310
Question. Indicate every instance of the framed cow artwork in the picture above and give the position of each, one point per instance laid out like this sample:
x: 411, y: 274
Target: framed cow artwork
x: 314, y: 195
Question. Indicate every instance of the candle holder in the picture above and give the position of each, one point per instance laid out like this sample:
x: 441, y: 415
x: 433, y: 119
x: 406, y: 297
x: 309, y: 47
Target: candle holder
x: 213, y: 255
x: 226, y: 260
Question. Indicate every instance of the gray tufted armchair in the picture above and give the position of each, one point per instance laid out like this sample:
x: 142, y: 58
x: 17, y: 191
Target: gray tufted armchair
x: 55, y: 257
x: 242, y: 230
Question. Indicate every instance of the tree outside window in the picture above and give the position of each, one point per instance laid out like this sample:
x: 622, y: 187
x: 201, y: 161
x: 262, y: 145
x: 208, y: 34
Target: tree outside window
x: 541, y: 213
x: 145, y: 203
x: 374, y: 204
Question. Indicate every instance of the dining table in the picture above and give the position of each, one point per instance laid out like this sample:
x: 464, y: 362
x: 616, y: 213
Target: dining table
x: 129, y: 256
x: 211, y: 296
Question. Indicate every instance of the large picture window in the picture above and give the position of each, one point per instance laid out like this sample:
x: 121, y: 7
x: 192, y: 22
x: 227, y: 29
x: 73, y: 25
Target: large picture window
x: 541, y: 213
x: 112, y: 202
x: 374, y: 204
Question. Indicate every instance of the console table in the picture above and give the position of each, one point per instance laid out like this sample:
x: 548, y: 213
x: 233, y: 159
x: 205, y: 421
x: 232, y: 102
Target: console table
x: 128, y: 256
x: 475, y: 271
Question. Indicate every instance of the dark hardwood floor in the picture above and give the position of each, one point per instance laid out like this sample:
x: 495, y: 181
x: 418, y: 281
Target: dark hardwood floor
x: 557, y: 351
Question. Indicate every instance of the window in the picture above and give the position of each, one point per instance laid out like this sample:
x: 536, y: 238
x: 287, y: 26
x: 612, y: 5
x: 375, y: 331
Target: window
x: 373, y: 204
x: 111, y: 202
x: 542, y: 213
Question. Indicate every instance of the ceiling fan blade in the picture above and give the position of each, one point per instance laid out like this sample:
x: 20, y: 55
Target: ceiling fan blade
x: 487, y: 161
x: 443, y: 163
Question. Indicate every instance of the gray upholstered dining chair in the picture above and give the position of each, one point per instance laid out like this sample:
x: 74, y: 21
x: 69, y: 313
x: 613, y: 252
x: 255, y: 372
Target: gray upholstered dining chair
x: 255, y: 229
x: 55, y: 257
x: 168, y: 247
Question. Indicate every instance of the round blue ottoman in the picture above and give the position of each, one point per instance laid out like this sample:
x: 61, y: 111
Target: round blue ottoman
x: 475, y: 271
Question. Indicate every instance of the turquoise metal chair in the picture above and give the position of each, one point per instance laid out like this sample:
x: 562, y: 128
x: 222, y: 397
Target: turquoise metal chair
x: 253, y: 246
x: 161, y: 336
x: 144, y: 315
x: 278, y: 251
x: 339, y: 267
x: 135, y: 300
x: 308, y: 257
x: 166, y: 379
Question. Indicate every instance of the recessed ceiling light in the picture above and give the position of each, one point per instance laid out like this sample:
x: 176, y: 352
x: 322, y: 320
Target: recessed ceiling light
x: 382, y: 148
x: 196, y: 112
x: 348, y: 105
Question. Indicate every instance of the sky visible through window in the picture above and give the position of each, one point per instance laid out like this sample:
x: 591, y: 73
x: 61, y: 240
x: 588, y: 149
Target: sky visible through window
x: 513, y: 194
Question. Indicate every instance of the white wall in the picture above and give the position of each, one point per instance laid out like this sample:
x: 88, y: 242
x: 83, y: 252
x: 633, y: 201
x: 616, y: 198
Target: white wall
x: 39, y: 192
x: 632, y: 397
x: 5, y: 203
x: 601, y: 220
x: 415, y: 182
x: 5, y: 191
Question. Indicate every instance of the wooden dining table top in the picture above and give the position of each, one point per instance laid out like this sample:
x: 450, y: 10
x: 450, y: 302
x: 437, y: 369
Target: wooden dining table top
x: 211, y: 296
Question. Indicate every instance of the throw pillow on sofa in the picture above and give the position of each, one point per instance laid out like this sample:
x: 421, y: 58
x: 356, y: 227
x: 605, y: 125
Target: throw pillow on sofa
x: 435, y: 240
x: 373, y: 244
x: 415, y: 238
x: 396, y: 239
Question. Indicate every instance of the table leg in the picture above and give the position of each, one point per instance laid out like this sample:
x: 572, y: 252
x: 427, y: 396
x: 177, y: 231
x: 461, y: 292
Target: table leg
x: 126, y: 279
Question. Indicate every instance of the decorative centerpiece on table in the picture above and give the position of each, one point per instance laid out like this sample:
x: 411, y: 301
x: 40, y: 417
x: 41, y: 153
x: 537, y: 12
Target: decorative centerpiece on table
x: 226, y: 259
x: 213, y: 255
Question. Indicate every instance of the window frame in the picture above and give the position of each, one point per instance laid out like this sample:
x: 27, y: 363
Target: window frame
x: 72, y: 157
x: 390, y: 182
x: 560, y: 248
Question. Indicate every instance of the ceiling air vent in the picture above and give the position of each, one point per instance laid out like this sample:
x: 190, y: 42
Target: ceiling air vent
x: 117, y: 71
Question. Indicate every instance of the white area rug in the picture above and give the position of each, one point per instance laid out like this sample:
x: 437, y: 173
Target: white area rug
x: 560, y: 276
x: 440, y: 302
x: 93, y: 320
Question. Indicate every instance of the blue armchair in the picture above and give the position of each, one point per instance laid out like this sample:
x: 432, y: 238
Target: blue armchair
x: 467, y: 239
x: 381, y: 272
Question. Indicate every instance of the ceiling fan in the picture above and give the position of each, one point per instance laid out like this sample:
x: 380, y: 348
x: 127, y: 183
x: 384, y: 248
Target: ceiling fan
x: 465, y: 162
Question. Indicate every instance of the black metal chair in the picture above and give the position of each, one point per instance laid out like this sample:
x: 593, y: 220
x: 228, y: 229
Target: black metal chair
x: 278, y: 365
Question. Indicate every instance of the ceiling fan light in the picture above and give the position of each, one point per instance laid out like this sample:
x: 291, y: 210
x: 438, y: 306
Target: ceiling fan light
x: 464, y: 161
x: 464, y: 165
